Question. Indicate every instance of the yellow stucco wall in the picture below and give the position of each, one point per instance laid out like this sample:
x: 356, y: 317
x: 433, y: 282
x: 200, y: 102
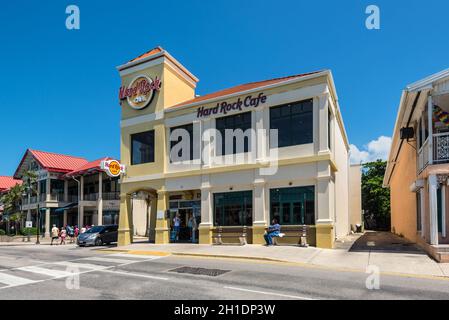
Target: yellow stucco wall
x: 403, y: 201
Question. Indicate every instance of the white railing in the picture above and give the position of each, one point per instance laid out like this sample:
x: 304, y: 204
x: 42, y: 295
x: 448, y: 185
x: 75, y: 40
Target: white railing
x: 111, y: 196
x: 423, y: 156
x: 441, y: 147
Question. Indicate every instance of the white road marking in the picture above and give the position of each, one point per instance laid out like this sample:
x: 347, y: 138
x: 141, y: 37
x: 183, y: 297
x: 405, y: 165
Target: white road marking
x: 134, y: 274
x: 137, y: 256
x: 82, y: 265
x: 103, y: 259
x: 269, y: 293
x: 47, y: 272
x: 10, y: 280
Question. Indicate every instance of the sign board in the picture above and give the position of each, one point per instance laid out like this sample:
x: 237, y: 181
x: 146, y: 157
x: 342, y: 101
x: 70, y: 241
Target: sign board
x: 223, y: 108
x: 161, y: 215
x: 28, y: 224
x: 113, y: 168
x: 140, y: 91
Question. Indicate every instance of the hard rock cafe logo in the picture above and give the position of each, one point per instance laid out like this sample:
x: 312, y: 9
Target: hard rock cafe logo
x: 140, y: 91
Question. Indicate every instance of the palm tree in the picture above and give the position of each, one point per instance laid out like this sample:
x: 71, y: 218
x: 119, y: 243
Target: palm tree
x: 11, y: 204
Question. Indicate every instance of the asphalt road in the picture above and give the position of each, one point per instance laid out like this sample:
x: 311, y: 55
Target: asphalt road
x: 69, y: 272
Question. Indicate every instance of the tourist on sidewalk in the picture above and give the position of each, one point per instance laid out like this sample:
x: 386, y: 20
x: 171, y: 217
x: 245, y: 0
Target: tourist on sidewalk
x: 54, y: 234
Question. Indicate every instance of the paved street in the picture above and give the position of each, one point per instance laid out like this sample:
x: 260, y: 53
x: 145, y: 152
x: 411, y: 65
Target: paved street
x: 45, y: 272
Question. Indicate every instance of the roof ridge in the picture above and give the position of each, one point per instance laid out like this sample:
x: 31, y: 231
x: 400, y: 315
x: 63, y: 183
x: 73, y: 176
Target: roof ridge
x: 58, y: 154
x: 146, y: 52
x: 281, y: 78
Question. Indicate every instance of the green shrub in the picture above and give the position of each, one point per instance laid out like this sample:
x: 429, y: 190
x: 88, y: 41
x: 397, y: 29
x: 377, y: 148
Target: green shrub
x: 29, y: 231
x: 2, y: 232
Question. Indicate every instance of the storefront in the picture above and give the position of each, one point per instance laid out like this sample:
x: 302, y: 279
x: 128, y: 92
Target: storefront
x: 234, y: 158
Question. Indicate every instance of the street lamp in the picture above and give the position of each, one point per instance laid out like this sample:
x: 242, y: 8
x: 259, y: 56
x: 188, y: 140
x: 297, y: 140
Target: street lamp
x: 29, y: 189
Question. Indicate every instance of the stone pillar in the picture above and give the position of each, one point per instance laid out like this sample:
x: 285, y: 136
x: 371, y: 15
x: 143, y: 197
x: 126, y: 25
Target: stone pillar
x: 81, y: 191
x: 323, y: 118
x: 206, y: 226
x: 125, y: 219
x: 433, y: 187
x: 65, y: 218
x: 162, y: 223
x: 443, y: 209
x: 324, y: 217
x: 66, y: 191
x: 47, y: 222
x: 100, y: 199
x: 48, y: 187
x: 152, y: 219
x: 260, y: 212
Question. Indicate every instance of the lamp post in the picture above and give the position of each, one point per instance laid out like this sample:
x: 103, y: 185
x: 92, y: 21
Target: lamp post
x: 29, y: 189
x: 38, y: 223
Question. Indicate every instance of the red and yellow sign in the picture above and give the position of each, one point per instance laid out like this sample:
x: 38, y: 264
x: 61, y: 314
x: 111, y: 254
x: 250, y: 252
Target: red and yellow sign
x: 113, y: 168
x: 140, y: 91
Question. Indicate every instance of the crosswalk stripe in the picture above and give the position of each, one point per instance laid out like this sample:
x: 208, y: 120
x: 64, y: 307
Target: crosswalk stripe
x: 102, y: 259
x: 47, y: 272
x: 81, y: 265
x: 137, y: 256
x: 10, y: 280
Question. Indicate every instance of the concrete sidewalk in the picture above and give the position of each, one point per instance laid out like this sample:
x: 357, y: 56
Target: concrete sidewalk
x: 352, y: 254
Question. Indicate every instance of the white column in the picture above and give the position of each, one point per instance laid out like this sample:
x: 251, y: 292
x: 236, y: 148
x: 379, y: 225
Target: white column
x: 443, y: 209
x: 423, y: 208
x: 260, y: 217
x: 323, y: 105
x: 48, y: 187
x: 65, y: 218
x: 206, y: 207
x: 206, y: 156
x: 66, y: 191
x: 81, y: 191
x: 47, y: 223
x: 100, y: 199
x: 430, y: 121
x: 433, y: 187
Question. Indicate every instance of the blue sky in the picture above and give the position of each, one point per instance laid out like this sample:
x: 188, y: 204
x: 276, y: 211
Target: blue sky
x: 58, y: 88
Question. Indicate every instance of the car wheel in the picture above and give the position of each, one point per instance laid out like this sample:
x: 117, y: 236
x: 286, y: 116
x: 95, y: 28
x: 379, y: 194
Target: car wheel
x: 98, y: 242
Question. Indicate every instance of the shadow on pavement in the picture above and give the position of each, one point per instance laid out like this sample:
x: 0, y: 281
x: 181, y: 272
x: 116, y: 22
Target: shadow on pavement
x: 377, y: 241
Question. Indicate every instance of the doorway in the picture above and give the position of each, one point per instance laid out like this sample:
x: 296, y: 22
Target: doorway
x: 189, y: 215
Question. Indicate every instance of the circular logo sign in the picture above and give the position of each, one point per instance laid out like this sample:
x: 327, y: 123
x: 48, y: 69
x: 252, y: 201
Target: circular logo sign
x: 114, y: 168
x: 140, y: 91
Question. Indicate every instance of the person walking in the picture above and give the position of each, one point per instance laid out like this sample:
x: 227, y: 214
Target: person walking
x: 192, y: 228
x: 177, y: 226
x: 54, y: 234
x: 70, y: 233
x: 63, y: 235
x: 76, y: 232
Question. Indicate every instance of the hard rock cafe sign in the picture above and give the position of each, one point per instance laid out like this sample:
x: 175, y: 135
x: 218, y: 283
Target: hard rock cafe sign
x: 113, y: 168
x: 140, y: 91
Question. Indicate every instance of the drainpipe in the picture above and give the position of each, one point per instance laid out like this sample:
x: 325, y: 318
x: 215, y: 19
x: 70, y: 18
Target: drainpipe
x: 79, y: 199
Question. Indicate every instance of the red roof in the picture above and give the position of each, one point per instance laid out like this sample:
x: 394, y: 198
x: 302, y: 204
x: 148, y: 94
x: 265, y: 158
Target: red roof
x: 7, y: 183
x: 53, y: 162
x: 147, y: 54
x: 88, y: 167
x: 241, y: 88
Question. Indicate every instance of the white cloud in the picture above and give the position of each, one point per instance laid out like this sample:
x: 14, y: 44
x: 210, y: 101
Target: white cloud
x: 374, y: 150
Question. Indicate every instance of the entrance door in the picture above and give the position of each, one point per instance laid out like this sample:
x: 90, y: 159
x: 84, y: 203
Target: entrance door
x: 186, y: 211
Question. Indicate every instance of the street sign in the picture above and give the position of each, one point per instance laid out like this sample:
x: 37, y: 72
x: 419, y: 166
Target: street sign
x: 28, y: 224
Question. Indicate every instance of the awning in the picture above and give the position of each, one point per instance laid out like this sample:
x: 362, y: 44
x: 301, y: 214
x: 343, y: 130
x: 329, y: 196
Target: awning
x: 69, y: 206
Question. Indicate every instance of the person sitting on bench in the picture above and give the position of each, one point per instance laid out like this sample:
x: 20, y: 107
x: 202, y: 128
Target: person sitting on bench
x: 272, y: 231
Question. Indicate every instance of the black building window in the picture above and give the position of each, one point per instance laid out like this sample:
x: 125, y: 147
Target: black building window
x: 240, y: 121
x: 142, y: 147
x: 189, y: 129
x: 233, y: 208
x: 294, y: 122
x: 293, y: 206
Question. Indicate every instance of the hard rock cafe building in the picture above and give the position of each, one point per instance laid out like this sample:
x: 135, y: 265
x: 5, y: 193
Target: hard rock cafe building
x: 305, y: 183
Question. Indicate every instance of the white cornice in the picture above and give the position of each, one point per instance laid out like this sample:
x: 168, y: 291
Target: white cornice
x: 236, y: 94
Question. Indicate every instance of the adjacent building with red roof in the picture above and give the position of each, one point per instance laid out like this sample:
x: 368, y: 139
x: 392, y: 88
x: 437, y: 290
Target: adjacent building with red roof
x: 70, y: 190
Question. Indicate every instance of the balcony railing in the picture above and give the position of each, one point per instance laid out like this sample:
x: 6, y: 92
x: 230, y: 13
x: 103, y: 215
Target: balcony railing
x: 441, y: 148
x: 91, y: 197
x: 111, y: 196
x: 440, y: 152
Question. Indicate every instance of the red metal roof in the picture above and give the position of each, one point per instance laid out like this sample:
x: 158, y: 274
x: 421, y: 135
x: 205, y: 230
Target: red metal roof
x: 88, y: 167
x: 241, y: 88
x: 7, y: 183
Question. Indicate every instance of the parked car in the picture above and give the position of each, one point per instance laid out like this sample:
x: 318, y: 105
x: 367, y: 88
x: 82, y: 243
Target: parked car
x: 98, y: 235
